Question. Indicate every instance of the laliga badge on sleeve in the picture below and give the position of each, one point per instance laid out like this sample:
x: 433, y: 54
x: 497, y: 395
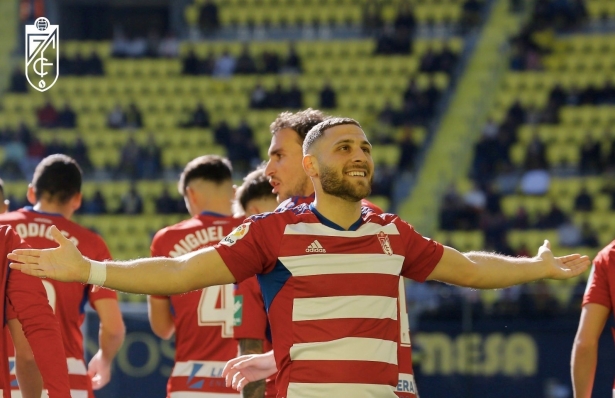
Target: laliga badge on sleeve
x: 237, y: 234
x: 42, y: 54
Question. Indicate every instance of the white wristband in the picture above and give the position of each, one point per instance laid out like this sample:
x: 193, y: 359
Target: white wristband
x: 98, y: 273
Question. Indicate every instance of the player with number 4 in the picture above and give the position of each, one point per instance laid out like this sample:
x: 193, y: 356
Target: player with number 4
x: 202, y: 320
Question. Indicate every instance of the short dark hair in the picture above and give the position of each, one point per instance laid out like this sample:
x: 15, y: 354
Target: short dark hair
x: 58, y: 176
x: 319, y: 130
x: 255, y: 186
x: 301, y: 122
x: 209, y: 168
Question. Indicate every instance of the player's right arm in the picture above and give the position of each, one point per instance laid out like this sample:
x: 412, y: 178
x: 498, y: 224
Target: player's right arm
x: 28, y: 375
x: 585, y: 348
x: 159, y: 276
x: 160, y: 316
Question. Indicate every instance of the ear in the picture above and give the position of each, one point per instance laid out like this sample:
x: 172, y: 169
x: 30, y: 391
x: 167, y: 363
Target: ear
x: 31, y: 195
x: 310, y: 165
x: 4, y: 206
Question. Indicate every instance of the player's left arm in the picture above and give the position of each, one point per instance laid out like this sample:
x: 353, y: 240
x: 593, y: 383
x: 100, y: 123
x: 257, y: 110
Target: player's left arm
x: 491, y: 271
x: 160, y: 316
x: 28, y: 376
x: 110, y: 338
x: 254, y: 389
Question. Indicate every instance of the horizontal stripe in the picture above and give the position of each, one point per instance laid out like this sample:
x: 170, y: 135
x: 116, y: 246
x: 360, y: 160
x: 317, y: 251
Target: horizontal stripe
x: 406, y: 384
x: 346, y: 349
x: 346, y: 285
x: 211, y: 385
x: 203, y: 368
x: 338, y: 390
x: 334, y: 329
x: 322, y: 230
x: 76, y: 366
x: 325, y: 264
x: 362, y: 372
x: 192, y: 394
x: 73, y: 394
x: 306, y: 309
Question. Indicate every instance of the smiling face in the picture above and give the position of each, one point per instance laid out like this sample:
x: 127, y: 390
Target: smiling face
x: 345, y: 165
x: 284, y: 169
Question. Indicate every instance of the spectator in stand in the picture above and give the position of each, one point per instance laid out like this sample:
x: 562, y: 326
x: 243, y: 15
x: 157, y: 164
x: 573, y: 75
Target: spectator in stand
x: 372, y: 17
x: 116, y: 118
x: 590, y: 156
x: 429, y: 61
x: 207, y: 66
x: 93, y: 65
x: 191, y: 63
x: 133, y: 116
x: 448, y: 59
x: 121, y: 45
x: 96, y: 205
x: 521, y: 219
x: 328, y: 97
x: 535, y: 182
x: 271, y: 62
x: 384, y: 177
x: 78, y: 65
x: 408, y: 150
x: 19, y: 82
x: 569, y: 234
x: 536, y: 154
x: 55, y: 146
x: 130, y: 157
x: 589, y: 236
x: 292, y: 63
x: 583, y: 201
x: 152, y: 44
x: 553, y: 219
x: 131, y: 202
x: 259, y: 98
x: 67, y: 118
x: 79, y: 152
x: 225, y: 65
x: 165, y: 204
x: 151, y: 158
x: 198, y: 118
x: 451, y: 209
x: 294, y: 97
x: 15, y: 155
x: 405, y: 19
x: 470, y: 14
x: 475, y: 199
x: 47, y: 115
x: 208, y: 18
x: 169, y: 46
x: 245, y: 62
x: 222, y: 134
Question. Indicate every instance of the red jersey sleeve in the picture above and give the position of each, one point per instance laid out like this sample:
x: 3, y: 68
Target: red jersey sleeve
x: 252, y: 247
x: 598, y: 287
x: 28, y: 299
x: 422, y: 254
x: 252, y: 322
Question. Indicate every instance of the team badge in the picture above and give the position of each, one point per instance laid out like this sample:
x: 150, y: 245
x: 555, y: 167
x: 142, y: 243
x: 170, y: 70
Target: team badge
x: 385, y: 243
x: 42, y: 54
x: 237, y: 234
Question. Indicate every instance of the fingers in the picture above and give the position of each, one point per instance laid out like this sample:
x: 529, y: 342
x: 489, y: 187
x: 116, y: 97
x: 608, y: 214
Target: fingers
x: 570, y: 257
x: 239, y: 381
x: 229, y: 366
x: 57, y: 236
x: 547, y: 244
x: 17, y: 255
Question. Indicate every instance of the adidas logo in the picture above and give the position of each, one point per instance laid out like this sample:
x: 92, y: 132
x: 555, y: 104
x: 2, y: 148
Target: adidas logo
x: 315, y: 247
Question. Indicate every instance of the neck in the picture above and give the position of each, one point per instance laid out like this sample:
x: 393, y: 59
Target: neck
x: 220, y: 208
x: 54, y: 208
x: 340, y: 211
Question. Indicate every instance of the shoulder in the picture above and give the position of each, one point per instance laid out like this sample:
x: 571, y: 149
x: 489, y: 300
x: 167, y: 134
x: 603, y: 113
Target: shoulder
x: 14, y: 216
x: 294, y: 202
x: 606, y: 256
x: 374, y: 208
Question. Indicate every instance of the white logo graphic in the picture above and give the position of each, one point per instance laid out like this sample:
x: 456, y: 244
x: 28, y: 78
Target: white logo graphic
x: 237, y: 234
x: 315, y: 247
x: 385, y: 243
x: 42, y: 67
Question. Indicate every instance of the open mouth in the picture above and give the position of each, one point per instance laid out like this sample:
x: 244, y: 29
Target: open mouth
x: 357, y: 173
x: 275, y: 186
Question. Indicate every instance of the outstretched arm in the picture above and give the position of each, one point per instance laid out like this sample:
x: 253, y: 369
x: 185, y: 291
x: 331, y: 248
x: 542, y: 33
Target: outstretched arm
x: 160, y: 276
x: 492, y: 271
x: 585, y: 349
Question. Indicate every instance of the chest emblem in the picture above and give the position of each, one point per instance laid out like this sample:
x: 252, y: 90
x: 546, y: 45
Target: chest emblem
x: 385, y: 243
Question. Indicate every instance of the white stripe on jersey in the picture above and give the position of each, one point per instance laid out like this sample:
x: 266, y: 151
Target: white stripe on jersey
x: 346, y: 349
x: 377, y: 307
x: 199, y: 394
x: 337, y: 390
x: 322, y: 230
x: 406, y: 383
x: 208, y: 368
x: 326, y: 264
x: 75, y: 366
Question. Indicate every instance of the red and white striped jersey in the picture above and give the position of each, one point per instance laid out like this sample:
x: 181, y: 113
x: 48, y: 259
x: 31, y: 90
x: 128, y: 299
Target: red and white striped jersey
x: 333, y: 313
x: 203, y: 319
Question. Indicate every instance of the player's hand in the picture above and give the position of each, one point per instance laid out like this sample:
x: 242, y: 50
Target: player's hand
x: 63, y: 263
x: 562, y: 267
x: 244, y: 369
x: 99, y: 371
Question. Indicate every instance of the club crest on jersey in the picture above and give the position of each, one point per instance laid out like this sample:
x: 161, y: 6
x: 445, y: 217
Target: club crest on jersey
x: 237, y: 234
x: 385, y: 243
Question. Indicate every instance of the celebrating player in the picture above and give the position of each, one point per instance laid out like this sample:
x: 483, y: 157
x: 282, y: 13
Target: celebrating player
x: 254, y: 197
x: 55, y: 192
x: 202, y: 320
x: 329, y: 272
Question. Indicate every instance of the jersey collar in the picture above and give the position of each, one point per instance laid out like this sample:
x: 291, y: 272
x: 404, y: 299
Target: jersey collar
x: 211, y: 213
x: 43, y: 213
x: 325, y: 221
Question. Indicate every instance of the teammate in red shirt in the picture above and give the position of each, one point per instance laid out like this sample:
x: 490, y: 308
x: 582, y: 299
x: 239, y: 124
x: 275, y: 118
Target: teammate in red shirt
x: 598, y: 303
x: 55, y: 192
x: 202, y: 320
x: 326, y: 345
x: 254, y: 196
x: 293, y: 187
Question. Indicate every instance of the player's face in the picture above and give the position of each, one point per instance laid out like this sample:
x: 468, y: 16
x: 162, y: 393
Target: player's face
x: 284, y: 168
x: 346, y: 165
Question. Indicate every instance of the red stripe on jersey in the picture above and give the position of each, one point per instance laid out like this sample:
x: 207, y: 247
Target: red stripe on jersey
x: 200, y: 384
x: 360, y: 372
x: 333, y: 329
x: 334, y: 285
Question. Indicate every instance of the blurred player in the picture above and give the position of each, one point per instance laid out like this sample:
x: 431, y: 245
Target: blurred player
x: 293, y: 187
x: 201, y: 320
x: 329, y: 272
x: 254, y: 197
x: 55, y: 192
x: 598, y: 303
